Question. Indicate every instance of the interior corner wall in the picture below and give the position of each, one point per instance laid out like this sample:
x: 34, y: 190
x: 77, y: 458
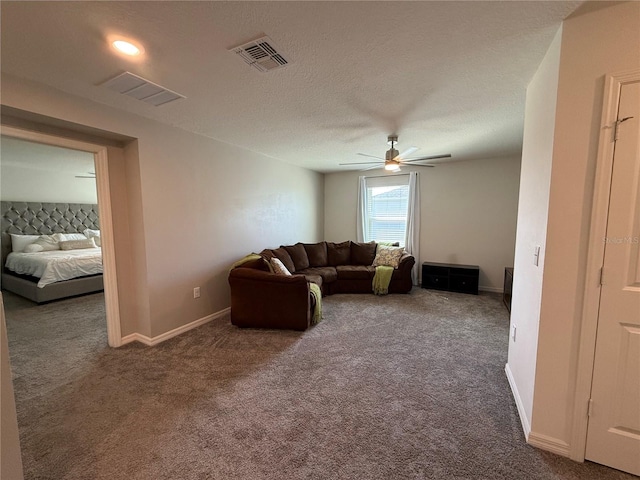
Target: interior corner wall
x: 593, y: 44
x: 533, y: 204
x: 204, y: 203
x: 468, y: 213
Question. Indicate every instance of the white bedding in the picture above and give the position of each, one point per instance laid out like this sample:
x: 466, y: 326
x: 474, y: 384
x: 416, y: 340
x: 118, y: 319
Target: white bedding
x: 56, y: 265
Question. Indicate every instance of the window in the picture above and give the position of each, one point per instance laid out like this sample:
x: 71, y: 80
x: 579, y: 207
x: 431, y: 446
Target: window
x: 386, y: 202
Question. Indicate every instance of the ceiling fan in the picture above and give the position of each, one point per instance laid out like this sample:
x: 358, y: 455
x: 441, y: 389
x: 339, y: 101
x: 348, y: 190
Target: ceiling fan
x: 393, y: 159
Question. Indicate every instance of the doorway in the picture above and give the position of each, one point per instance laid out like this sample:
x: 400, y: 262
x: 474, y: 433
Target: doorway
x: 101, y: 163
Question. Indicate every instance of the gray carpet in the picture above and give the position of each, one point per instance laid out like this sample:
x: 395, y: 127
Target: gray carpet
x: 397, y: 387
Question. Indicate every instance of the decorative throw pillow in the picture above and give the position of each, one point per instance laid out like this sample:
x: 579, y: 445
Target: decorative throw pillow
x: 278, y: 267
x: 19, y: 242
x: 389, y: 256
x: 77, y: 244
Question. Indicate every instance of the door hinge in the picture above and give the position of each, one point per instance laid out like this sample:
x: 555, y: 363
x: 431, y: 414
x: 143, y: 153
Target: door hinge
x: 602, y: 276
x: 589, y: 407
x: 617, y: 124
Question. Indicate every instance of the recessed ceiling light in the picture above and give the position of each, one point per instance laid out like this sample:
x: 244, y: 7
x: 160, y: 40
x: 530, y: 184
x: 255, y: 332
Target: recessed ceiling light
x: 127, y: 48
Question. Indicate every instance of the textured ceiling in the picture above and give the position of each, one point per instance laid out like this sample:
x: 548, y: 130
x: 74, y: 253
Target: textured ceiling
x: 448, y: 77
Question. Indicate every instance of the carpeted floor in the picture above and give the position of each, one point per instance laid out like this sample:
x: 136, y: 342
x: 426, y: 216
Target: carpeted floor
x: 397, y: 387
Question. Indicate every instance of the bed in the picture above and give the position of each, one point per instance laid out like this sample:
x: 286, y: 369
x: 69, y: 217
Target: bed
x: 49, y: 275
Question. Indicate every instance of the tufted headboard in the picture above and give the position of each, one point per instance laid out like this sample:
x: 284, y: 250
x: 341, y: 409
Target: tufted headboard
x: 34, y: 218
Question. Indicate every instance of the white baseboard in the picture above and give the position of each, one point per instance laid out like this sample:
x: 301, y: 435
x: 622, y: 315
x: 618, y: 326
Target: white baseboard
x: 151, y: 341
x: 553, y: 445
x: 490, y: 289
x: 526, y: 425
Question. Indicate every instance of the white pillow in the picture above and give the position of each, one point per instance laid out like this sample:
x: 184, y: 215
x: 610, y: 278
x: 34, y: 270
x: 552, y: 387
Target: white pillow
x: 63, y: 237
x: 77, y: 244
x: 278, y: 267
x: 33, y: 248
x: 19, y: 242
x: 95, y: 234
x: 47, y: 242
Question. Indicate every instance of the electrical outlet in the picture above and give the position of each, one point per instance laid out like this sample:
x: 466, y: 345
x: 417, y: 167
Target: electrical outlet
x: 513, y: 333
x: 196, y: 292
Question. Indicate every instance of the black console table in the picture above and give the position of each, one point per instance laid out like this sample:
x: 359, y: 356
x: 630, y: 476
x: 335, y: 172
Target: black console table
x: 450, y: 277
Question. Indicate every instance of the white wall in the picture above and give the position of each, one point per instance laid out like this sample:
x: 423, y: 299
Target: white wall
x: 200, y: 205
x: 468, y: 213
x: 32, y: 172
x: 593, y: 44
x: 533, y: 205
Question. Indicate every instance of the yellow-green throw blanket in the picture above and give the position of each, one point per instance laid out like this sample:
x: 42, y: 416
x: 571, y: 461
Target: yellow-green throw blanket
x: 248, y: 258
x: 317, y: 311
x: 382, y: 279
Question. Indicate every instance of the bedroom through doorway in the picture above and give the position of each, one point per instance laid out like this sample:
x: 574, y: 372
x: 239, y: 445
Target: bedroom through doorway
x: 51, y: 190
x: 81, y: 178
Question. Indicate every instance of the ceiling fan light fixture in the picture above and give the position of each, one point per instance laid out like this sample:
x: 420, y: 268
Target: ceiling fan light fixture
x: 392, y: 166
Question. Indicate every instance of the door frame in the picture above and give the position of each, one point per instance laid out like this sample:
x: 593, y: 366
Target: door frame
x: 595, y: 259
x: 101, y: 161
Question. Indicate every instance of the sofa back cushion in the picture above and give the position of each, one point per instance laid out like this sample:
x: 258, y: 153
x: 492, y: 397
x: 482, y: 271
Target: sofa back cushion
x: 298, y: 255
x: 317, y: 254
x: 282, y: 255
x: 363, y: 253
x: 339, y: 253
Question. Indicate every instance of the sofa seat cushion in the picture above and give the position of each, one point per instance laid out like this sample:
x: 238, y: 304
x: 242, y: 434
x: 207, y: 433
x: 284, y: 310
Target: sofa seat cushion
x: 355, y: 272
x: 328, y: 274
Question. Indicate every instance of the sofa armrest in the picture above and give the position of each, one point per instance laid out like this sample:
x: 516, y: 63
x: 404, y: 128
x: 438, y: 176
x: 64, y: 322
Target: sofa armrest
x: 265, y: 300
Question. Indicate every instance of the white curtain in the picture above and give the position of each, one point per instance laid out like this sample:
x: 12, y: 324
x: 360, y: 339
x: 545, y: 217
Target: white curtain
x: 361, y: 213
x: 412, y: 239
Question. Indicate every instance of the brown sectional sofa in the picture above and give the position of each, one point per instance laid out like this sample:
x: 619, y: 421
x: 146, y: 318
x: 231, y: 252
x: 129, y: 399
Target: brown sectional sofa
x: 260, y: 298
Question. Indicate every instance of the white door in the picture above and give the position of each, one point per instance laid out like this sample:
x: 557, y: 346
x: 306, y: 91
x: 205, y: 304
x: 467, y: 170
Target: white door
x: 613, y: 436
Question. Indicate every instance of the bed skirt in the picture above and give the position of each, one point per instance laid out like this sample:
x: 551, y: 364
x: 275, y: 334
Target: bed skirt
x: 54, y: 291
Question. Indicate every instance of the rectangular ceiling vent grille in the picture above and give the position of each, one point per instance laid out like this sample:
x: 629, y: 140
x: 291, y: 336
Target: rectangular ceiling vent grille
x: 261, y: 54
x: 137, y: 87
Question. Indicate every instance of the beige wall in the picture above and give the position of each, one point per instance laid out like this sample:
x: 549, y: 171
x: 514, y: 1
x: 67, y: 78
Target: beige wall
x: 468, y: 213
x: 593, y: 44
x: 31, y: 172
x: 197, y: 205
x: 533, y: 205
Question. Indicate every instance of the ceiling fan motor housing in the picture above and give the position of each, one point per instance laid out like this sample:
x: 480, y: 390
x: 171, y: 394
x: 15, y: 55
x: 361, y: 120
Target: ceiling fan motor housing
x: 391, y: 154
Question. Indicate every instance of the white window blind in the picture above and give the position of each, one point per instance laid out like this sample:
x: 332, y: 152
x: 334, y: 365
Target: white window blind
x: 386, y: 206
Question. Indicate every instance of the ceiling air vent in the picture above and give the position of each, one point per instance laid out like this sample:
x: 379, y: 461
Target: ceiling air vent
x: 137, y: 87
x: 261, y: 54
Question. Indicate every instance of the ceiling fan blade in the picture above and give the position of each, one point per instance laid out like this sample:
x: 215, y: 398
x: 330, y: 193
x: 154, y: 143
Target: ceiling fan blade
x: 375, y: 167
x: 408, y: 151
x: 433, y: 157
x: 372, y: 156
x: 360, y: 163
x: 416, y: 164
